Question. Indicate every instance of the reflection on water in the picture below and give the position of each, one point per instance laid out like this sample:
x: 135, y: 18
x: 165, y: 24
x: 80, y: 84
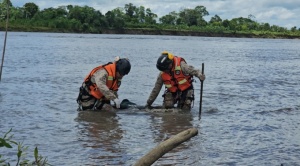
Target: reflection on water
x: 166, y: 125
x: 101, y: 132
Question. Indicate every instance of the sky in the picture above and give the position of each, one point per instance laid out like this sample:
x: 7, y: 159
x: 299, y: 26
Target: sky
x: 283, y: 13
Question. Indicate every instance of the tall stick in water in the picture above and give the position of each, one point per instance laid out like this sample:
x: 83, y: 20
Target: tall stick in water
x: 7, y: 17
x: 201, y: 92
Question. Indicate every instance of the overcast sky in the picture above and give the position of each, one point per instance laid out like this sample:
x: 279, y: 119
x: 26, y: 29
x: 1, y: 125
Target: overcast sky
x: 284, y: 13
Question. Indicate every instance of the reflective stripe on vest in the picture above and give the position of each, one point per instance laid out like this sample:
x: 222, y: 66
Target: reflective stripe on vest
x: 168, y: 85
x: 178, y: 81
x: 110, y: 78
x: 111, y: 83
x: 182, y: 81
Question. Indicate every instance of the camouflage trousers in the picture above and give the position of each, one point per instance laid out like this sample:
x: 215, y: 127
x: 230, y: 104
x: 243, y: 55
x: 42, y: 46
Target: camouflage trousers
x: 88, y: 102
x: 183, y: 99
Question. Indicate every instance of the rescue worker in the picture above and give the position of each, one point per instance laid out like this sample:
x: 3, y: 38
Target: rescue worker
x: 177, y: 76
x: 100, y: 86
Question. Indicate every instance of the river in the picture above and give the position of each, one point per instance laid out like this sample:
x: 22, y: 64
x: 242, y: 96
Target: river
x: 250, y: 108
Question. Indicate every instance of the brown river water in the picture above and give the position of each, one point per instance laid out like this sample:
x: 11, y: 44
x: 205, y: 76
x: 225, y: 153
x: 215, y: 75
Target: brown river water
x: 250, y: 111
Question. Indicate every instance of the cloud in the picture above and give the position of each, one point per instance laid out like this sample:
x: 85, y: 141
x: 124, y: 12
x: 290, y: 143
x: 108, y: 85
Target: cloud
x: 276, y: 13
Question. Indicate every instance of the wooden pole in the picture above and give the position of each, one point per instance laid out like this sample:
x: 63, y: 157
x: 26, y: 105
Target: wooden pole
x: 166, y: 146
x: 7, y: 14
x: 201, y: 92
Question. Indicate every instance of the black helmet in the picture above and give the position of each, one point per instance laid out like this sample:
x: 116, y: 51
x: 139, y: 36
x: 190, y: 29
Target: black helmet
x: 164, y: 61
x: 123, y: 66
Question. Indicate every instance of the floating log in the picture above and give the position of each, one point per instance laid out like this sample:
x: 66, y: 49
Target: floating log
x: 166, y: 146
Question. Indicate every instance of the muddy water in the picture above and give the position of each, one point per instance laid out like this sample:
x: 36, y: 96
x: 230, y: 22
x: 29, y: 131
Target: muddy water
x: 250, y: 100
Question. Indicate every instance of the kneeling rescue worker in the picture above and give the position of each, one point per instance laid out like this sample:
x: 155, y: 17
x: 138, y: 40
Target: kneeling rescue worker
x: 101, y: 85
x: 177, y: 76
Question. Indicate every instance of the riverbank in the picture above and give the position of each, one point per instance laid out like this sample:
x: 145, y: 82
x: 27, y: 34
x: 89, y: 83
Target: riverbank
x: 144, y: 31
x: 205, y: 34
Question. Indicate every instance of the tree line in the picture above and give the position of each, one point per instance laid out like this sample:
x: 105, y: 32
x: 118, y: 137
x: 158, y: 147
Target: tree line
x: 85, y: 19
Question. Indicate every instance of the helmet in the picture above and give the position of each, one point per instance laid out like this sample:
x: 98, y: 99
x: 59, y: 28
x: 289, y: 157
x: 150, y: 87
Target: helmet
x: 123, y: 66
x: 164, y: 61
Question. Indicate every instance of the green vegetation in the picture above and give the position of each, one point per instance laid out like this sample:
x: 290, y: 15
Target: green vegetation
x: 5, y: 142
x: 135, y: 20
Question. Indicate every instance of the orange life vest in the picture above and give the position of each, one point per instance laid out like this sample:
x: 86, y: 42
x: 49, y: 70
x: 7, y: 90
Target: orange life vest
x: 112, y: 83
x: 176, y: 80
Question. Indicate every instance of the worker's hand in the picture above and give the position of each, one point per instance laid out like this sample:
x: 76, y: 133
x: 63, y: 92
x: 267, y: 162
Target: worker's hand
x: 117, y: 102
x: 202, y: 77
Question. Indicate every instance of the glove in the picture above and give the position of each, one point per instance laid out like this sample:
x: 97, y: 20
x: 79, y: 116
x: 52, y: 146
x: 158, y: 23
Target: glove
x: 117, y: 102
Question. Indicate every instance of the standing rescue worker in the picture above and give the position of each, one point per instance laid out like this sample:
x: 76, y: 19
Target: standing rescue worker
x: 101, y: 85
x: 177, y: 76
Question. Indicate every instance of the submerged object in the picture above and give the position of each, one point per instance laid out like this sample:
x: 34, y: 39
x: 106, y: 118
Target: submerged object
x: 126, y: 104
x: 163, y: 110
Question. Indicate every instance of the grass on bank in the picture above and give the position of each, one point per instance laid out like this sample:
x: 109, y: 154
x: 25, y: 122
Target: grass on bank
x: 7, y: 142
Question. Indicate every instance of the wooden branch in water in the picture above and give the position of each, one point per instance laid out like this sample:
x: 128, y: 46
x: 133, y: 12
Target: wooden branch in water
x: 166, y: 146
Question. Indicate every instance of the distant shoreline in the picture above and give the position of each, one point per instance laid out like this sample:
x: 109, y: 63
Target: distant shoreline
x: 195, y: 33
x: 166, y: 32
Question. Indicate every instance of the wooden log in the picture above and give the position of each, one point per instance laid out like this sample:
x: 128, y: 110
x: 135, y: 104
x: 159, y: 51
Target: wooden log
x: 166, y: 146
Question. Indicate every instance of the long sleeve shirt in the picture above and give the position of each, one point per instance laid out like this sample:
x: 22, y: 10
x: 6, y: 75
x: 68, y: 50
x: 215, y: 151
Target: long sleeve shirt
x: 186, y: 69
x: 100, y: 78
